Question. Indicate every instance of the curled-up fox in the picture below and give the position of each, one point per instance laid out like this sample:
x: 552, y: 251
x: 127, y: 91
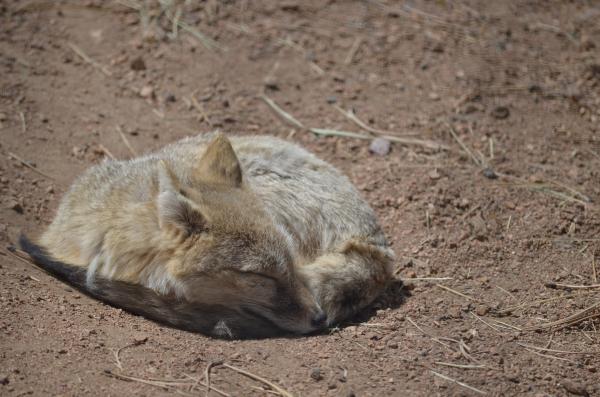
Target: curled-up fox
x: 238, y: 238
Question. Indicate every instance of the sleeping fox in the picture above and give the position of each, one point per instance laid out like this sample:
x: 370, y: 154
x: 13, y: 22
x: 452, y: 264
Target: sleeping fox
x: 245, y: 237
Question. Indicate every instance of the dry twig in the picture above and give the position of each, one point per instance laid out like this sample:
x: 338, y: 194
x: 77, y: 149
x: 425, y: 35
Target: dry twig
x: 435, y: 339
x: 576, y: 318
x: 89, y: 60
x: 207, y: 374
x: 353, y: 50
x: 280, y: 390
x: 126, y: 141
x: 445, y: 377
x: 570, y: 286
x: 351, y: 115
x: 463, y: 366
x: 28, y: 165
x: 329, y: 132
x: 467, y: 297
x: 545, y: 349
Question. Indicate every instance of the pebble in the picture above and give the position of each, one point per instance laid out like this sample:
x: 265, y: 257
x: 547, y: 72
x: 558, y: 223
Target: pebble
x: 147, y: 91
x: 271, y: 84
x: 380, y: 146
x: 455, y: 312
x: 140, y: 339
x: 315, y: 373
x: 4, y: 380
x: 15, y: 206
x: 392, y: 344
x: 489, y: 173
x: 138, y: 64
x: 434, y: 174
x: 500, y: 112
x: 482, y: 310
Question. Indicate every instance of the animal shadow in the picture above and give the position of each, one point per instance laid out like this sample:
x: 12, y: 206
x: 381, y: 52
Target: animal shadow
x: 394, y: 296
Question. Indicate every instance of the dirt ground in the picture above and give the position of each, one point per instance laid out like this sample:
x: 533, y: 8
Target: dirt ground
x: 508, y: 204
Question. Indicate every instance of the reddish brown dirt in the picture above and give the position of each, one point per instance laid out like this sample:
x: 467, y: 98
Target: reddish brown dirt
x: 524, y: 75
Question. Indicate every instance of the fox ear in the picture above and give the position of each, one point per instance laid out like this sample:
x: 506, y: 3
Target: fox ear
x: 174, y: 209
x: 219, y: 164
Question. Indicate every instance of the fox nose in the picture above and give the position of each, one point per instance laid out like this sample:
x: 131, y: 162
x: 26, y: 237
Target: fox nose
x: 319, y: 320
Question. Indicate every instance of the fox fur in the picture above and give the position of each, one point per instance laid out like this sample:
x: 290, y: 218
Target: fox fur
x: 236, y: 238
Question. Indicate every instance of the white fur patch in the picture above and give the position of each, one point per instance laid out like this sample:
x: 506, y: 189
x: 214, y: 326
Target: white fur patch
x: 221, y: 329
x: 162, y: 282
x: 92, y: 270
x: 289, y: 240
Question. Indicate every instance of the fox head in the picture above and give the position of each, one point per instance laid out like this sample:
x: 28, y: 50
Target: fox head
x: 225, y: 250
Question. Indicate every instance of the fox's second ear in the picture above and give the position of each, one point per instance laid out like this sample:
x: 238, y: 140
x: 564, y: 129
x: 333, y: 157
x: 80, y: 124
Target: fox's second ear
x: 174, y: 209
x: 219, y: 164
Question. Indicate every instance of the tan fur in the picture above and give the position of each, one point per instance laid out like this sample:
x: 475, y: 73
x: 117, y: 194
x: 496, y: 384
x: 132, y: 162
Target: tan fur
x: 251, y: 223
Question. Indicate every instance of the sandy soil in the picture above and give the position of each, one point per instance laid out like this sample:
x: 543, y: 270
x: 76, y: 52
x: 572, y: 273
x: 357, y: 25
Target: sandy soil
x: 509, y: 207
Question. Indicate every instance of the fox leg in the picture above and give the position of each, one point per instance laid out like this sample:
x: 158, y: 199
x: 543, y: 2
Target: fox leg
x: 348, y: 279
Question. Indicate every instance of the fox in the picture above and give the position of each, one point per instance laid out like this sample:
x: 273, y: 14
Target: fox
x: 240, y: 237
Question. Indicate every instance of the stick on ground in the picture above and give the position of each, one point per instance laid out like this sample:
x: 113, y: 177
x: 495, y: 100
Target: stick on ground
x: 449, y: 379
x: 576, y: 318
x: 126, y: 141
x: 250, y: 375
x: 348, y: 134
x: 207, y: 374
x: 89, y: 60
x: 571, y: 286
x: 28, y: 165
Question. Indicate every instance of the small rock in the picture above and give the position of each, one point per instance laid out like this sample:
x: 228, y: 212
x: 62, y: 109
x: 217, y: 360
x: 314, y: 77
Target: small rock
x: 434, y: 96
x: 331, y: 100
x: 147, y: 91
x: 3, y: 117
x: 438, y: 47
x: 140, y: 339
x: 500, y: 112
x: 434, y: 174
x: 271, y: 84
x: 489, y: 173
x: 50, y: 189
x: 170, y: 98
x: 332, y: 385
x: 138, y: 64
x: 392, y: 344
x: 579, y: 389
x: 4, y: 380
x: 315, y: 373
x: 482, y: 310
x: 512, y: 377
x: 380, y: 146
x: 15, y: 206
x: 455, y: 312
